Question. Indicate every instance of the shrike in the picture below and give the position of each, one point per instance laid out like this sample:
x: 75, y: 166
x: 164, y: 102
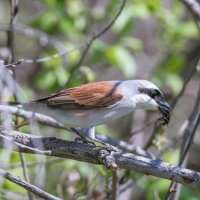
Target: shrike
x: 84, y: 107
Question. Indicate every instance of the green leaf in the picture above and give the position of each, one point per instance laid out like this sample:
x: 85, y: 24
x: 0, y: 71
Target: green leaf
x: 171, y: 79
x: 61, y: 75
x: 188, y: 29
x: 175, y: 82
x: 121, y: 58
x: 174, y: 64
x: 133, y: 43
x: 45, y: 81
x: 87, y: 73
x: 153, y: 5
x: 66, y: 25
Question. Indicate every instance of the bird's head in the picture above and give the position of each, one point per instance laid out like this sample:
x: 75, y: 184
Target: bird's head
x: 150, y: 97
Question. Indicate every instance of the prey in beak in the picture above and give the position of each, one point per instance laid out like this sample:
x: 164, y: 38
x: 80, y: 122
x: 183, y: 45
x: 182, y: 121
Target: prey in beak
x: 161, y: 104
x: 164, y: 109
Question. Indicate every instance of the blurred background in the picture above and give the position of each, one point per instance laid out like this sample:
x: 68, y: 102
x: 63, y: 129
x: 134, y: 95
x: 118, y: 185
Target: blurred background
x: 154, y: 40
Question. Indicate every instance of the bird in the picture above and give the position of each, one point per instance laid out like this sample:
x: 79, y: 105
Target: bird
x: 84, y: 107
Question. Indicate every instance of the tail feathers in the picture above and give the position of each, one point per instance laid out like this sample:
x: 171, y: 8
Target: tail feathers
x: 23, y: 104
x: 18, y: 104
x: 13, y: 103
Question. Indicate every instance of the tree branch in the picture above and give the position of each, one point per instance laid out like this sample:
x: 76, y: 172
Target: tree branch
x: 14, y: 4
x: 43, y: 119
x: 44, y: 38
x: 12, y: 65
x: 188, y: 137
x: 92, y: 154
x: 95, y: 36
x: 194, y: 7
x: 35, y: 190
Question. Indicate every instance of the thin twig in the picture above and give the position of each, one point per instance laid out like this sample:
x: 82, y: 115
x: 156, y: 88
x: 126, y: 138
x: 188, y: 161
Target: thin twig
x: 188, y: 78
x: 137, y: 131
x: 173, y: 104
x: 114, y: 184
x: 33, y: 189
x: 95, y: 36
x: 25, y: 172
x: 194, y: 7
x: 45, y: 38
x: 11, y: 45
x: 23, y: 163
x: 12, y: 65
x: 43, y: 119
x: 18, y: 145
x: 34, y: 164
x: 192, y: 127
x: 194, y: 121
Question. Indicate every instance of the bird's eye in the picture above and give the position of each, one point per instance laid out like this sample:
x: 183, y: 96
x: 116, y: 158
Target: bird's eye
x: 153, y: 93
x: 156, y: 94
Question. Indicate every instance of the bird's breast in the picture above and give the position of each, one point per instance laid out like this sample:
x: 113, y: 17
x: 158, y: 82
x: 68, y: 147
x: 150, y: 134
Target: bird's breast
x: 86, y: 118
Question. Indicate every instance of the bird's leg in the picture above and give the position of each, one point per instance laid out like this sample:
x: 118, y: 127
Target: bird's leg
x: 91, y: 136
x: 89, y: 133
x: 82, y: 133
x: 79, y: 134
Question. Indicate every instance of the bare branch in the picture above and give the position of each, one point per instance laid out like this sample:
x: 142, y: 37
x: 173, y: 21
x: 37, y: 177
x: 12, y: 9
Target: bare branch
x: 15, y: 145
x: 173, y: 103
x: 35, y: 190
x: 43, y: 119
x: 48, y: 161
x: 114, y: 185
x: 125, y: 146
x: 91, y: 154
x: 44, y: 38
x: 194, y: 7
x: 55, y: 42
x: 189, y: 134
x: 96, y: 36
x: 18, y: 62
x: 11, y: 45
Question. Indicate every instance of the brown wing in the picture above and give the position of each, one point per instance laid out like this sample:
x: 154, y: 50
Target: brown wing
x: 88, y: 96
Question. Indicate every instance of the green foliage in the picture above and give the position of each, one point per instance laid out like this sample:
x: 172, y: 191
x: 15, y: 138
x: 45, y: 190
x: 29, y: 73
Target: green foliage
x: 74, y: 22
x: 186, y: 194
x: 71, y: 18
x: 121, y: 58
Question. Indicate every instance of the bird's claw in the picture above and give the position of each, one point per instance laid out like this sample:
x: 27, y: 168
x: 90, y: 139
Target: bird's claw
x: 84, y: 141
x: 111, y: 147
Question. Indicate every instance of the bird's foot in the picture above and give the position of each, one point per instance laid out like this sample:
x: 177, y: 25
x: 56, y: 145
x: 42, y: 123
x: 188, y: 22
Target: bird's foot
x: 84, y: 141
x: 108, y: 146
x: 107, y: 158
x: 87, y: 135
x: 111, y: 147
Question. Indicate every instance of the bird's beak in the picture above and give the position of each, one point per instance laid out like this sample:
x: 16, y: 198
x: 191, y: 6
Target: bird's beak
x: 165, y: 109
x: 165, y: 104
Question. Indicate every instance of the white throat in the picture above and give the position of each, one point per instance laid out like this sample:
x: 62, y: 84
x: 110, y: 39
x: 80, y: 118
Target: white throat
x: 143, y: 101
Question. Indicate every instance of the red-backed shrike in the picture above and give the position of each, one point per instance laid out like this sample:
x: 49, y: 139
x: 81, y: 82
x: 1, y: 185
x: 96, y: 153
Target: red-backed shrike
x: 86, y: 106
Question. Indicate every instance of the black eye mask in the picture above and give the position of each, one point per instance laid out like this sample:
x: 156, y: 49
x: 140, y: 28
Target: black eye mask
x: 163, y: 107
